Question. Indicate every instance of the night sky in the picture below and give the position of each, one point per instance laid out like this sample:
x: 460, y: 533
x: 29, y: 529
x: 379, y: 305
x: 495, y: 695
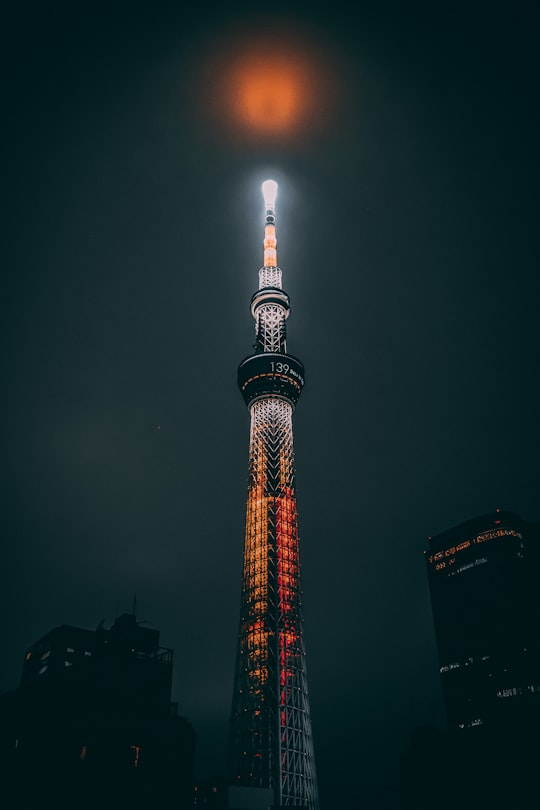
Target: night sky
x: 133, y: 226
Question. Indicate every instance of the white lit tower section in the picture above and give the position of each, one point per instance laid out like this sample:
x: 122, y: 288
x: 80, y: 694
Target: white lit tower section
x: 271, y: 743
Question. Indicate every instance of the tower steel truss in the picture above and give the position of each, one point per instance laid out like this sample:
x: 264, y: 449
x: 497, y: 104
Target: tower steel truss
x: 271, y: 742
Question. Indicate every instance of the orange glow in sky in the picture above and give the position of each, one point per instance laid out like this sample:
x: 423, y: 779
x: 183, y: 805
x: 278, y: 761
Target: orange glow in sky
x: 270, y: 95
x: 269, y: 85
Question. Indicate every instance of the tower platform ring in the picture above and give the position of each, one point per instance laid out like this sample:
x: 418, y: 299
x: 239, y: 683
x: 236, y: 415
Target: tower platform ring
x: 271, y: 374
x: 270, y: 295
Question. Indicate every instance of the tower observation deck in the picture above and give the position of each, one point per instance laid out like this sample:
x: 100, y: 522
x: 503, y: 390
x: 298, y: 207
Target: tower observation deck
x: 271, y: 747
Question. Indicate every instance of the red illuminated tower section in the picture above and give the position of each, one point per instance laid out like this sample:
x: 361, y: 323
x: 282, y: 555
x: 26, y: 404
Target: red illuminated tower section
x: 271, y: 747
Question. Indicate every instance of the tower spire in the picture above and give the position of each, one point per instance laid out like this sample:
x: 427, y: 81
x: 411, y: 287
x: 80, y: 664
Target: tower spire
x: 270, y: 305
x: 270, y: 274
x: 271, y: 745
x: 269, y: 190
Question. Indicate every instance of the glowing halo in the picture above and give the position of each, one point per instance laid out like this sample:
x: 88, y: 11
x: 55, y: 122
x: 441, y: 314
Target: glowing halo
x: 270, y: 85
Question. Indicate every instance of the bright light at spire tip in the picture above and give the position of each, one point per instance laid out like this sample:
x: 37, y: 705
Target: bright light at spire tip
x: 269, y: 190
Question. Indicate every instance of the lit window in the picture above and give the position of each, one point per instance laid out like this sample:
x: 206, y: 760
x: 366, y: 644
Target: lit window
x: 70, y: 649
x: 42, y: 670
x: 86, y: 652
x: 447, y: 667
x: 68, y: 663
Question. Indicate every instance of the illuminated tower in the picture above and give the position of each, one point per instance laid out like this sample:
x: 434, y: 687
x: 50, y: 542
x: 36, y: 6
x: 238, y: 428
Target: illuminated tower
x: 271, y: 744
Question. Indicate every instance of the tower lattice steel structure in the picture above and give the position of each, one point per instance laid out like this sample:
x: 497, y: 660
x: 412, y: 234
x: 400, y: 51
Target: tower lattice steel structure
x: 271, y: 742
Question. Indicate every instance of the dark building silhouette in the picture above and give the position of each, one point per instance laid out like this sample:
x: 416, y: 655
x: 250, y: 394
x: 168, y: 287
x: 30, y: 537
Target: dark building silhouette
x: 92, y: 722
x: 427, y: 779
x: 211, y: 793
x: 483, y: 581
x: 483, y: 578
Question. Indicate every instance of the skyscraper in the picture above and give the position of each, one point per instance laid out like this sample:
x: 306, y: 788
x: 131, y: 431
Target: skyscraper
x: 483, y: 580
x: 271, y: 759
x: 483, y: 577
